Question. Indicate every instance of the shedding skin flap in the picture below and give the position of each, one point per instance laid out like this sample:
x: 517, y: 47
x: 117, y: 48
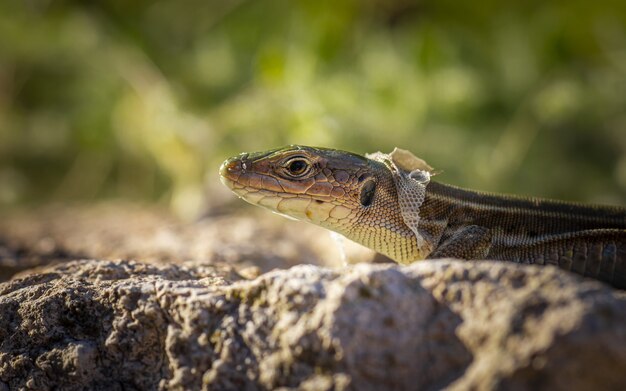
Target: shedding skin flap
x: 411, y: 176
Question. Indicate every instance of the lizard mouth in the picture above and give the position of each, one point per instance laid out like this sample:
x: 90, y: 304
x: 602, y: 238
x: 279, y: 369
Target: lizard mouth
x: 236, y: 173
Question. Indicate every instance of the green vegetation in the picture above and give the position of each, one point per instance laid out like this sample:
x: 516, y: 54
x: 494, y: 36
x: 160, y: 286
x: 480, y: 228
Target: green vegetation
x: 144, y: 99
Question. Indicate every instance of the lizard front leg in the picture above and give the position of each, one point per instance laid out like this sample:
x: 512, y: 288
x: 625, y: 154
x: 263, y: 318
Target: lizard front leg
x: 469, y: 242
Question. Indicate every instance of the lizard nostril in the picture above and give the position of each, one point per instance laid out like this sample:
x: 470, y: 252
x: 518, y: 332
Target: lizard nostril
x: 243, y: 158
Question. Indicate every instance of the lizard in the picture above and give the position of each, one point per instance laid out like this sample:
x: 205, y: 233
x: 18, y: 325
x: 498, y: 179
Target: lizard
x: 389, y: 203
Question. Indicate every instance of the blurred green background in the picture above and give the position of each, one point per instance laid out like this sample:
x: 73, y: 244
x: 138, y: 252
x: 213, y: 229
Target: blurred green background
x: 143, y: 99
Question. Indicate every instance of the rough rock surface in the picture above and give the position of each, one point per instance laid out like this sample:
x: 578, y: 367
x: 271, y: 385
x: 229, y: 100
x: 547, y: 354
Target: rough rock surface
x: 254, y: 239
x: 195, y: 311
x: 126, y: 325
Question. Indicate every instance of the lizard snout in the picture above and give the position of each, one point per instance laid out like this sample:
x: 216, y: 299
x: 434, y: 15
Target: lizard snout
x: 233, y: 167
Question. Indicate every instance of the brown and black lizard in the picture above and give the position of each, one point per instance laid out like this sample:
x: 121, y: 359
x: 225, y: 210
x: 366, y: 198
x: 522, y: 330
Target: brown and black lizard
x: 389, y: 203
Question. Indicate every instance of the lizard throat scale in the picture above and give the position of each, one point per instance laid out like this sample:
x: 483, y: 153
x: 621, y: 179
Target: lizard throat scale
x: 388, y: 203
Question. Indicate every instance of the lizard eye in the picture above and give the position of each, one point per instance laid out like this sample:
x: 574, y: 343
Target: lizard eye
x: 297, y: 167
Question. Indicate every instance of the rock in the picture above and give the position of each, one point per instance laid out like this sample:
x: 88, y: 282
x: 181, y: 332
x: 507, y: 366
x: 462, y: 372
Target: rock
x: 203, y: 309
x: 253, y: 239
x: 113, y: 325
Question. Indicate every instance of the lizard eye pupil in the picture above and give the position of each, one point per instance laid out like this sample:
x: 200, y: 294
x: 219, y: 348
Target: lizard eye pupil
x: 297, y: 167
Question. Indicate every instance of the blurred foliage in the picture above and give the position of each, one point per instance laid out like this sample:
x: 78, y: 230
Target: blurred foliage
x: 144, y: 99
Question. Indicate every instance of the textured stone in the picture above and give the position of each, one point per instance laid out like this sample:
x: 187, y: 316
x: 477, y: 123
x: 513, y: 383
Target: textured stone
x: 463, y: 325
x: 129, y: 231
x: 197, y: 311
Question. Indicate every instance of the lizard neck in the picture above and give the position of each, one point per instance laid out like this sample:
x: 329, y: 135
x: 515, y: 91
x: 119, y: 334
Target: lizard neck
x: 381, y: 226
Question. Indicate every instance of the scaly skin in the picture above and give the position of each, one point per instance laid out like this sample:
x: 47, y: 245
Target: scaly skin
x: 357, y: 197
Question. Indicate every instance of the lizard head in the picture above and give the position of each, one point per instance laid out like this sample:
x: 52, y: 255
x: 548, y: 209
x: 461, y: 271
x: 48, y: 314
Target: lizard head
x: 312, y: 184
x: 350, y: 194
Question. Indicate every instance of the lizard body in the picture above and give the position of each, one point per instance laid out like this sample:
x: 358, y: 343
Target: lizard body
x: 389, y: 204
